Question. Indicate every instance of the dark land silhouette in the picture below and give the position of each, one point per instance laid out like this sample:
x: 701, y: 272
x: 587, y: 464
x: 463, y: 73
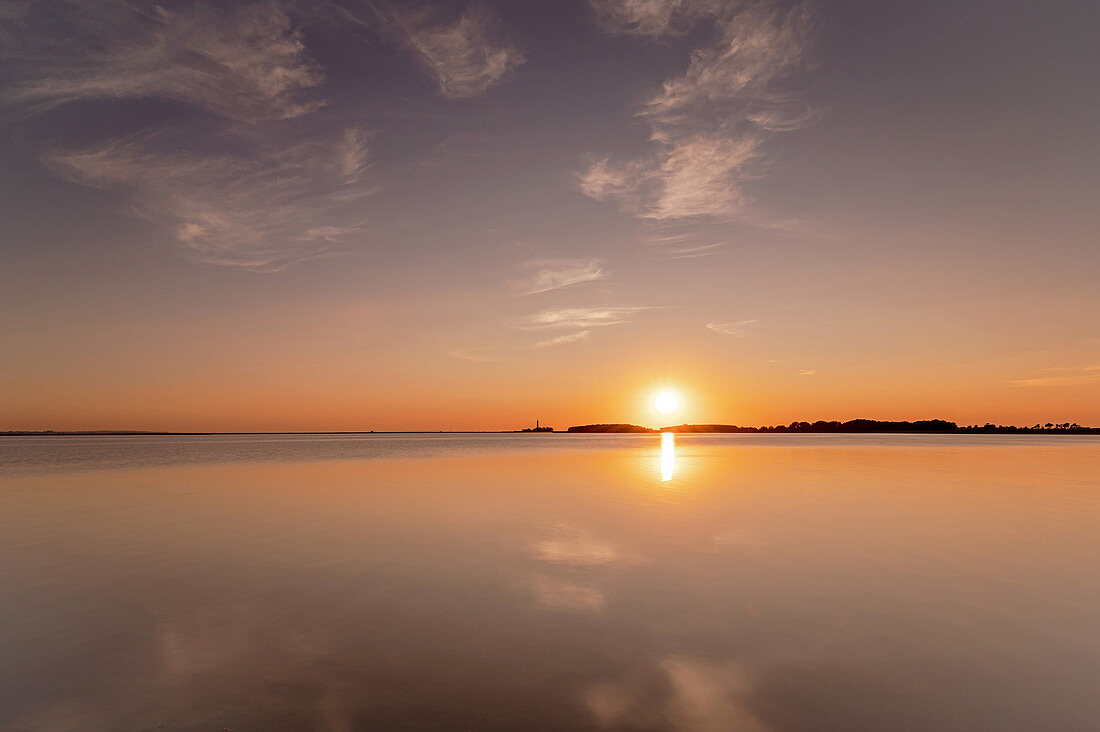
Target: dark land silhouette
x: 537, y: 428
x: 934, y: 426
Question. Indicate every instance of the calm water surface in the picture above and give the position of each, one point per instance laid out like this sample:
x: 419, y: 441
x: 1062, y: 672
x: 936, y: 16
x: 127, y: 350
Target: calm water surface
x: 736, y: 582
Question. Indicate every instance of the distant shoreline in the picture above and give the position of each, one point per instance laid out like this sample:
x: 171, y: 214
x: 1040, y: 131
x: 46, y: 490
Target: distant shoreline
x: 850, y: 427
x: 854, y: 426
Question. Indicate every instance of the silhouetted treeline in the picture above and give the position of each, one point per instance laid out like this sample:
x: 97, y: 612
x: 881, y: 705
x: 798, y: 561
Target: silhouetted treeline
x: 609, y: 428
x: 937, y: 426
x: 1065, y: 428
x: 941, y: 426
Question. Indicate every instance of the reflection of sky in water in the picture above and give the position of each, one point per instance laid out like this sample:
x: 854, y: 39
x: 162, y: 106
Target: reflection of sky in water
x: 791, y: 582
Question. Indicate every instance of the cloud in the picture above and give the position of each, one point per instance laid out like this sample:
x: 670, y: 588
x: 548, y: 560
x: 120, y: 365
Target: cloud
x: 807, y: 372
x: 483, y: 354
x: 697, y: 175
x: 352, y: 153
x: 603, y: 180
x: 703, y: 250
x: 701, y: 176
x: 561, y: 340
x: 736, y: 328
x: 735, y: 80
x: 579, y: 317
x: 467, y: 57
x: 244, y: 197
x: 1063, y: 376
x: 248, y: 65
x: 708, y: 125
x: 554, y: 274
x: 654, y: 18
x: 260, y: 211
x: 777, y: 120
x: 685, y: 239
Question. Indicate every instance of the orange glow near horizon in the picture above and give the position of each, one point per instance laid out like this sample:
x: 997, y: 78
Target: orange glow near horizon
x: 208, y: 381
x: 482, y: 397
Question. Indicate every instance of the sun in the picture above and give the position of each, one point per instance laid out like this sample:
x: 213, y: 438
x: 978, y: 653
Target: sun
x: 666, y: 402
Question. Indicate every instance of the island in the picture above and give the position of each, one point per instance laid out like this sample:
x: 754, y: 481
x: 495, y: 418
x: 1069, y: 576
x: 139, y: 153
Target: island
x: 927, y: 426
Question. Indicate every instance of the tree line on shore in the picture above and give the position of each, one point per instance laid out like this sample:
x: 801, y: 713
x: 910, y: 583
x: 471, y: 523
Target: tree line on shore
x: 938, y: 426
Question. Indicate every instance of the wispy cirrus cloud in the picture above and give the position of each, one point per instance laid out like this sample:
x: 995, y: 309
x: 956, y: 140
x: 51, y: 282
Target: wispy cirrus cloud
x: 653, y: 18
x: 579, y: 318
x: 252, y: 196
x: 468, y: 56
x: 735, y: 328
x: 247, y: 65
x: 544, y: 275
x: 1062, y: 376
x: 260, y: 212
x: 485, y: 354
x: 709, y: 124
x: 692, y: 252
x: 581, y: 321
x: 685, y: 239
x: 563, y: 339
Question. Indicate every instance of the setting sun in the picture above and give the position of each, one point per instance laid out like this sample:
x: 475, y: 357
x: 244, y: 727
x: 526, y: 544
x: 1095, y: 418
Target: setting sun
x: 666, y: 402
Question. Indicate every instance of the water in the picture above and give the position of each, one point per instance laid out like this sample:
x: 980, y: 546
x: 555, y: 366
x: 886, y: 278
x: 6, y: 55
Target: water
x: 711, y: 582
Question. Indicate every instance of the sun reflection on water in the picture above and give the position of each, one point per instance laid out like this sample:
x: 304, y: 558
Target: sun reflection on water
x: 668, y: 455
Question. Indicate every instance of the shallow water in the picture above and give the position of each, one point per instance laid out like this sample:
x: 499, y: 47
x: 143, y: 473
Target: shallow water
x: 713, y: 582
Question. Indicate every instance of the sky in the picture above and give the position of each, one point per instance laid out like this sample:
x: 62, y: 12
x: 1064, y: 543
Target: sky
x: 382, y: 215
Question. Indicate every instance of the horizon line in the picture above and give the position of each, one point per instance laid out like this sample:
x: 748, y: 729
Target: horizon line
x: 768, y: 429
